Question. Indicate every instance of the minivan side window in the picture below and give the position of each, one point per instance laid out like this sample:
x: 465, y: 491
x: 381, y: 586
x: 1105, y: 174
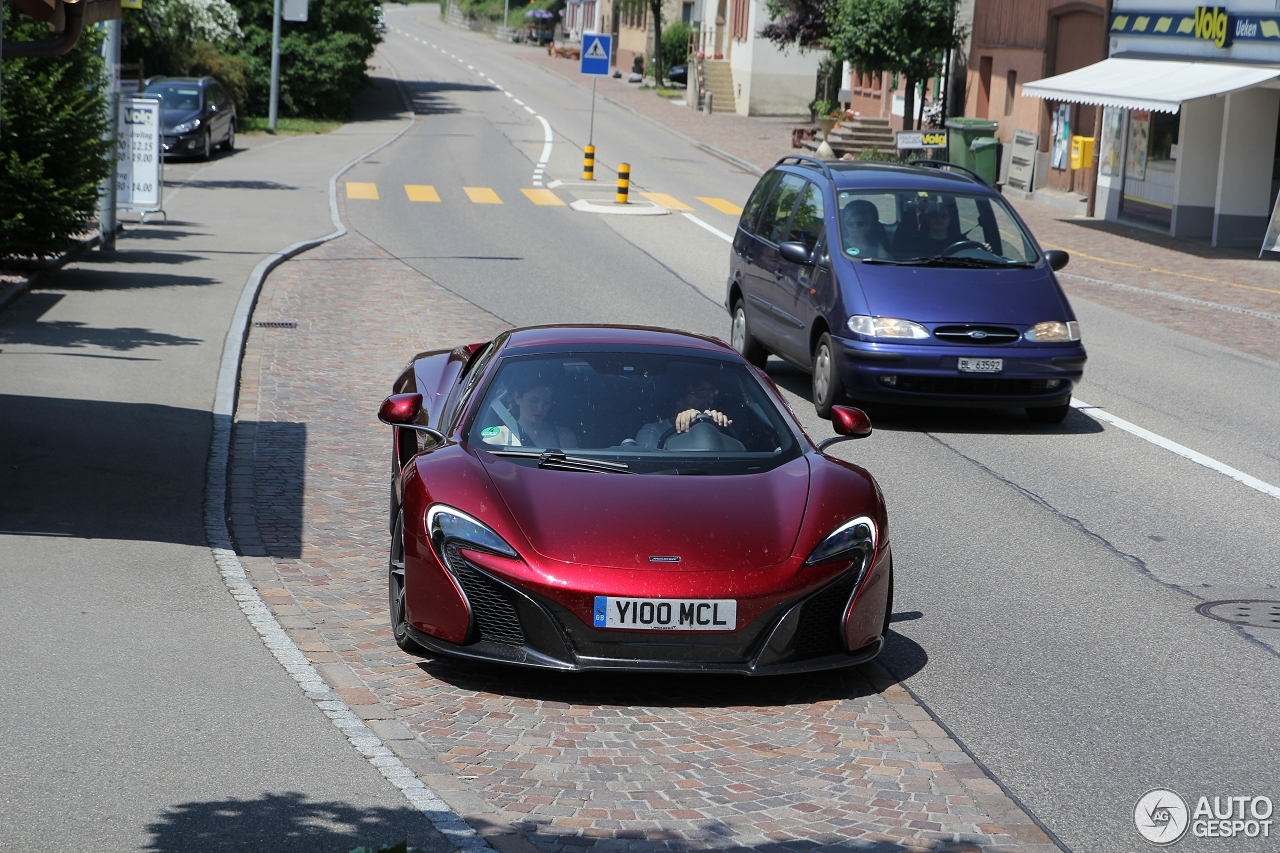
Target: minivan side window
x: 773, y: 223
x: 807, y: 224
x: 751, y: 213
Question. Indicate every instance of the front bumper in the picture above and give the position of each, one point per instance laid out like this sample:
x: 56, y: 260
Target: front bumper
x: 927, y: 375
x: 189, y: 143
x: 810, y: 632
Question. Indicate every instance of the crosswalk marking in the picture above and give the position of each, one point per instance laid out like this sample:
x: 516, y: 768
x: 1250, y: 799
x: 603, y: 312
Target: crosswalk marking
x: 482, y: 195
x: 357, y: 189
x: 543, y: 197
x: 421, y: 192
x: 664, y: 200
x: 722, y: 205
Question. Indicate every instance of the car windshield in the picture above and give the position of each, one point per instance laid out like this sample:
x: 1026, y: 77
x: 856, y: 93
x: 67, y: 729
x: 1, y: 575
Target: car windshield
x: 632, y: 412
x: 944, y: 228
x: 177, y: 97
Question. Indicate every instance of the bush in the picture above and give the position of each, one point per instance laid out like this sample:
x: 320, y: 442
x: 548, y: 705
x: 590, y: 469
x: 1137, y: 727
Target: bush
x: 186, y: 38
x: 675, y: 45
x: 322, y: 61
x: 52, y: 154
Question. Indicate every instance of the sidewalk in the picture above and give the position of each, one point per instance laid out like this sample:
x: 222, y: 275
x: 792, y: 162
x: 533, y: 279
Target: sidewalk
x: 1173, y: 275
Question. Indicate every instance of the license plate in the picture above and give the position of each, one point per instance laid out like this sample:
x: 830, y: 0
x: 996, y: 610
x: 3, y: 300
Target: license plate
x: 980, y: 365
x: 666, y: 614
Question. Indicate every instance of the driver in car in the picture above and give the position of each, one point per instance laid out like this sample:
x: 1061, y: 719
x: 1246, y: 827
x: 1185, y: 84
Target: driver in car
x: 699, y: 396
x: 935, y: 233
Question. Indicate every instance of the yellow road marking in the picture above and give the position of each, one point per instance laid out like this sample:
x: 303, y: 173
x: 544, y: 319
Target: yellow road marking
x: 356, y: 189
x: 421, y: 192
x: 722, y: 205
x: 482, y: 195
x: 544, y: 197
x: 1165, y: 272
x: 664, y: 200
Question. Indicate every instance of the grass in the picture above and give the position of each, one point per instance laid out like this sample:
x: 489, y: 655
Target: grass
x: 664, y: 92
x: 287, y: 126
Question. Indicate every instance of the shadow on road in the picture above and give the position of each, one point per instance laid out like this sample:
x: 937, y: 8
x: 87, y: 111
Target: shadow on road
x: 431, y: 97
x: 286, y: 823
x: 29, y: 329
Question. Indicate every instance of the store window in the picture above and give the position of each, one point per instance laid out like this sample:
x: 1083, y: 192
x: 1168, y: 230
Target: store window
x: 1164, y: 136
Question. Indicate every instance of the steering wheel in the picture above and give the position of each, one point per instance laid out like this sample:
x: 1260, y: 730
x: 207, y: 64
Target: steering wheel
x: 700, y: 418
x: 960, y: 246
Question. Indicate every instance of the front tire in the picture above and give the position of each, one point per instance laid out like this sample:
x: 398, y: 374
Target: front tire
x: 741, y: 339
x: 1049, y: 414
x: 395, y: 591
x: 827, y: 388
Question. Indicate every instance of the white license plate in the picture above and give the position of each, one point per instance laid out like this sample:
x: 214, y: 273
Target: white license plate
x: 666, y: 614
x: 980, y: 365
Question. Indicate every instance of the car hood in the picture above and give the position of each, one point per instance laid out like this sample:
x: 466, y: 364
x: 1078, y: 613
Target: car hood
x: 173, y: 118
x: 948, y: 295
x: 621, y: 521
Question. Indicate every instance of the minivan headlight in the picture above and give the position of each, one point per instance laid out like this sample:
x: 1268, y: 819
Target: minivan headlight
x: 886, y: 327
x: 1053, y: 331
x: 445, y: 524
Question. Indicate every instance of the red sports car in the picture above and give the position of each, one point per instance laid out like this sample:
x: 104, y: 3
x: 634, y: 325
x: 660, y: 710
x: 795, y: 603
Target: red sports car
x: 592, y: 497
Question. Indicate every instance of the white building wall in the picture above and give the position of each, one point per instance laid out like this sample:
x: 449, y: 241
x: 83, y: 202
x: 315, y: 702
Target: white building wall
x: 1242, y: 205
x: 1199, y: 138
x: 770, y: 81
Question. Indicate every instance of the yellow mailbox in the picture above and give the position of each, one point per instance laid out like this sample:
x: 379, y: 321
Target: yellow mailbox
x: 1081, y: 152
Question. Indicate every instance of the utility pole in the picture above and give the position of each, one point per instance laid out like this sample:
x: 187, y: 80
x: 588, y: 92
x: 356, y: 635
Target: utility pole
x: 107, y: 196
x: 274, y: 109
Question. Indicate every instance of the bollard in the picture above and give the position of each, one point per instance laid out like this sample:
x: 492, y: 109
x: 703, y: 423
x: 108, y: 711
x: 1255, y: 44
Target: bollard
x: 624, y: 182
x: 706, y: 104
x: 589, y: 163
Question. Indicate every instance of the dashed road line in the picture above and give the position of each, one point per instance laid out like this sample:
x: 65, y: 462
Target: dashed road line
x: 482, y: 195
x: 666, y: 201
x: 421, y: 192
x: 722, y: 205
x: 362, y: 190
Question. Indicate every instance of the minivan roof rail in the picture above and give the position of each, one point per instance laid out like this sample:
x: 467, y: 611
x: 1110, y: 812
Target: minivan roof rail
x: 941, y: 164
x: 800, y: 158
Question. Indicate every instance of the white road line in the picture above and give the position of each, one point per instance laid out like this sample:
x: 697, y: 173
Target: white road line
x: 530, y: 110
x: 1173, y: 447
x: 520, y: 102
x: 547, y: 139
x: 714, y: 230
x: 508, y: 94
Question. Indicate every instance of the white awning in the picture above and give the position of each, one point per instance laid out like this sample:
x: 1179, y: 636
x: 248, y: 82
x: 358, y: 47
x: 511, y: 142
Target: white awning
x: 1148, y: 84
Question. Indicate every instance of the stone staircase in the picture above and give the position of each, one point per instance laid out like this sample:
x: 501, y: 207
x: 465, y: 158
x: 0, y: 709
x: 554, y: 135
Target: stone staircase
x: 854, y: 136
x: 717, y: 78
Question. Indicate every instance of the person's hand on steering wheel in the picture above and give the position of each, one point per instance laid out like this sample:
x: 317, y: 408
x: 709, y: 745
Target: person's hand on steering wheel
x: 686, y: 419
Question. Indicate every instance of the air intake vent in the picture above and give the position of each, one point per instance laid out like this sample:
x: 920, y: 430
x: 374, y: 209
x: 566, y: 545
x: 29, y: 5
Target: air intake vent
x: 491, y: 605
x: 820, y: 622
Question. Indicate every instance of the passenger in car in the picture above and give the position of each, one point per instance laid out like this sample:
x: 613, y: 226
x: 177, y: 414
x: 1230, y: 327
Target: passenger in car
x: 698, y: 396
x: 864, y: 236
x: 524, y: 416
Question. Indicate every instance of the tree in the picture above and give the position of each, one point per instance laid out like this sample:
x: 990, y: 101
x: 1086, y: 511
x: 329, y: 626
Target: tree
x: 52, y: 152
x: 654, y: 8
x: 187, y: 38
x: 802, y: 23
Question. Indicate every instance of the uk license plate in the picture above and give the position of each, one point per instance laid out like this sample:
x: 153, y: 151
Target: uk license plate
x: 980, y: 365
x: 666, y: 614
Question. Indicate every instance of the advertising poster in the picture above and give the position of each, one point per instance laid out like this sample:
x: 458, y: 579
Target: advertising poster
x: 1061, y: 137
x: 1135, y: 164
x: 139, y: 181
x: 1109, y: 153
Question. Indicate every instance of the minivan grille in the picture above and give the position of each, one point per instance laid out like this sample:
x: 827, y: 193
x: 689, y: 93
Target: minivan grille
x: 980, y: 335
x: 491, y: 605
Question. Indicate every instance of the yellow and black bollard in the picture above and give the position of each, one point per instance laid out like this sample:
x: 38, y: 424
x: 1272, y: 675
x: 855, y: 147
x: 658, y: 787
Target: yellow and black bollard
x: 589, y: 163
x: 624, y: 182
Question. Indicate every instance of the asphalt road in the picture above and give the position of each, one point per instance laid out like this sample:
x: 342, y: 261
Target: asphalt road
x: 1050, y: 575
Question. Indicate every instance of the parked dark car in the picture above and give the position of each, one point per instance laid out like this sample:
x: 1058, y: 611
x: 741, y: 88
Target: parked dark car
x: 198, y: 114
x: 906, y: 284
x: 679, y: 74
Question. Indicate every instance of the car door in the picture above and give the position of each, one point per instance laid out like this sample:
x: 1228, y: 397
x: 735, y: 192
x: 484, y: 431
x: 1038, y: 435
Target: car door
x: 221, y: 120
x: 792, y: 281
x: 761, y: 281
x: 746, y: 247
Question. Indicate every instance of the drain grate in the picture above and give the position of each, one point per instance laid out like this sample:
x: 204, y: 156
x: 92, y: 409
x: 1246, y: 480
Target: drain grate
x: 276, y: 324
x: 1251, y: 613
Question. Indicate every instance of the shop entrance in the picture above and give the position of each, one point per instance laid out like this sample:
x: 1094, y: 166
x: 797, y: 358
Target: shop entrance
x: 1150, y: 168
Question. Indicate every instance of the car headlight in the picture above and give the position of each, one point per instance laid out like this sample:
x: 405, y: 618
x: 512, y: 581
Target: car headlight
x: 886, y: 327
x: 446, y: 524
x: 856, y: 534
x: 1052, y: 331
x: 186, y: 127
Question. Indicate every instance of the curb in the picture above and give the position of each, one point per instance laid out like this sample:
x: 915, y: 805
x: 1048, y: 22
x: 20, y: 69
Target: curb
x: 273, y: 635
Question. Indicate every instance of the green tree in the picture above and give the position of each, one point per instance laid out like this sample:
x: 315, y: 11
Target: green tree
x: 654, y: 8
x: 52, y: 152
x: 675, y: 45
x: 182, y: 38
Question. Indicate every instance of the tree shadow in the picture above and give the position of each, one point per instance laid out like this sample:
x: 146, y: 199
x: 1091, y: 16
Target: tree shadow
x: 238, y: 185
x: 431, y: 97
x: 287, y: 823
x: 941, y: 419
x: 675, y: 690
x: 89, y: 275
x: 268, y: 488
x: 26, y: 328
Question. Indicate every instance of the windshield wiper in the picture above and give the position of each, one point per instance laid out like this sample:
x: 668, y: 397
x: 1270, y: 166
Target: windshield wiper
x: 555, y: 459
x: 975, y: 263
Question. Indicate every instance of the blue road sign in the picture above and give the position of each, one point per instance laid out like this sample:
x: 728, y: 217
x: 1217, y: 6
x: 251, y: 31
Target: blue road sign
x: 595, y: 54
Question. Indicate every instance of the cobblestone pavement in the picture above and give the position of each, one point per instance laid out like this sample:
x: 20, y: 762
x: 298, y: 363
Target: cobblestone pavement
x: 535, y: 761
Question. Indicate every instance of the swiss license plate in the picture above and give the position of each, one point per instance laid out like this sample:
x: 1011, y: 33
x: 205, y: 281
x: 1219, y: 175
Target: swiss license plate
x: 980, y: 365
x: 666, y: 614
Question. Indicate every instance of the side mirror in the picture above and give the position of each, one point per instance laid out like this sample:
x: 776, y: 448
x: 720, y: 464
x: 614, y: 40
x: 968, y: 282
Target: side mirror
x: 1057, y: 258
x: 400, y: 409
x: 849, y: 423
x: 796, y: 252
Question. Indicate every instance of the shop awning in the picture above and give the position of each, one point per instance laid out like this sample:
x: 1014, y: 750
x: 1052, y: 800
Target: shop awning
x: 1148, y: 84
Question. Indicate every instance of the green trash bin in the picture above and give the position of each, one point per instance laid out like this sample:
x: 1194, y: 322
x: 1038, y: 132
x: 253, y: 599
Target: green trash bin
x: 960, y: 135
x: 984, y: 151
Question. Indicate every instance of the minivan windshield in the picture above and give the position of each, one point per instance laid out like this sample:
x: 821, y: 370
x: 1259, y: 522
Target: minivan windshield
x: 632, y: 412
x: 942, y: 228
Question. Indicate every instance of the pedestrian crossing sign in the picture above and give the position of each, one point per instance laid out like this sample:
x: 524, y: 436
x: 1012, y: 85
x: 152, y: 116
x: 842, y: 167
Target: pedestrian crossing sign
x: 595, y: 54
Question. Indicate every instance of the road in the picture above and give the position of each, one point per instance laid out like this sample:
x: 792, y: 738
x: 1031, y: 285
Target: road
x: 1048, y: 577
